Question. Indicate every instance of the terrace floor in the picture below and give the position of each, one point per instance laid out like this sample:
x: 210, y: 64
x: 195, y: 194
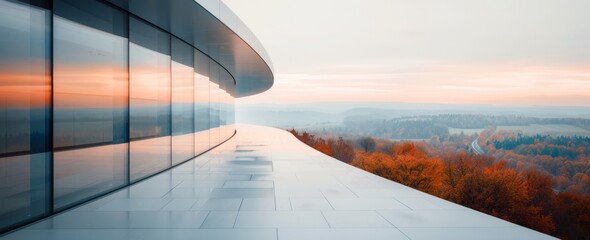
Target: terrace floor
x: 265, y: 184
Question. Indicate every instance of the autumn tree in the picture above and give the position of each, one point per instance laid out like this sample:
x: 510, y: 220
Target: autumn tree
x: 378, y: 163
x: 456, y: 168
x: 540, y: 188
x: 322, y: 146
x: 367, y: 144
x: 412, y: 167
x: 503, y: 192
x: 424, y: 174
x: 341, y: 150
x: 305, y: 137
x: 408, y: 148
x: 571, y: 212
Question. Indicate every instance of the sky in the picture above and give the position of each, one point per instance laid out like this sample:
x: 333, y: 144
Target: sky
x: 512, y: 52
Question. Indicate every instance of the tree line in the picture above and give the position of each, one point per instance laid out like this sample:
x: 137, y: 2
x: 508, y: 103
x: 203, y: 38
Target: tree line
x: 426, y: 127
x: 566, y: 159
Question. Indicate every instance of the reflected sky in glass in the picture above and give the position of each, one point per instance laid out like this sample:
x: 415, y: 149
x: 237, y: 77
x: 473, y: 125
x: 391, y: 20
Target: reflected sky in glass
x: 182, y: 101
x: 24, y: 112
x: 149, y: 80
x: 90, y: 100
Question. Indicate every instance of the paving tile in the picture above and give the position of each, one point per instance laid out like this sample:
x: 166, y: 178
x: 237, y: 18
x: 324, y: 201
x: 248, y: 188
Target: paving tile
x: 280, y: 219
x: 258, y: 204
x: 442, y: 218
x: 310, y: 204
x: 85, y: 220
x: 146, y: 234
x: 93, y: 205
x: 275, y: 176
x: 388, y: 193
x: 355, y: 219
x: 444, y: 204
x: 124, y: 220
x: 417, y: 203
x: 365, y: 203
x: 283, y: 204
x: 248, y: 184
x: 341, y: 234
x: 135, y: 204
x: 509, y: 233
x: 226, y: 177
x: 220, y: 219
x: 180, y: 204
x: 164, y: 219
x: 242, y: 193
x: 298, y: 193
x: 189, y: 193
x: 338, y: 193
x: 226, y: 204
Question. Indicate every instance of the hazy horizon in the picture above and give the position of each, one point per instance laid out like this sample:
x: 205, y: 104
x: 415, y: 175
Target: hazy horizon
x: 324, y: 114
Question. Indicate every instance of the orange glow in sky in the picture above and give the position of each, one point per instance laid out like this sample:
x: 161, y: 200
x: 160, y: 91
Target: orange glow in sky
x: 455, y: 84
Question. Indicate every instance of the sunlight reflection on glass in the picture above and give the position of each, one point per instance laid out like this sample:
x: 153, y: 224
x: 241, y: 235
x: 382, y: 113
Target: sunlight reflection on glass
x: 90, y: 101
x: 149, y: 71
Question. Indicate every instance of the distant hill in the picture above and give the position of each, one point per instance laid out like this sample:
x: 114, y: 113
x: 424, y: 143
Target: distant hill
x: 321, y: 114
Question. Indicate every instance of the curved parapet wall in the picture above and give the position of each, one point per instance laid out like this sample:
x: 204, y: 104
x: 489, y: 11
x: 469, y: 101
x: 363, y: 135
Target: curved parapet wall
x: 213, y: 28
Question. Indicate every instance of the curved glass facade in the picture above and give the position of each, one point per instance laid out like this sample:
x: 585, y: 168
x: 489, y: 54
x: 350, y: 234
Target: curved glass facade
x: 92, y: 99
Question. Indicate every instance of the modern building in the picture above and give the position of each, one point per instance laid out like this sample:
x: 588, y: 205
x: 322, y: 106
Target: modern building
x: 98, y: 95
x: 104, y: 105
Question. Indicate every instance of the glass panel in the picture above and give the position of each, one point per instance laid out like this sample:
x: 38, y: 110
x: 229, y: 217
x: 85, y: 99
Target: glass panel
x: 225, y: 107
x: 232, y: 108
x: 90, y: 99
x: 222, y: 126
x: 182, y: 101
x: 149, y: 72
x: 25, y: 88
x: 201, y: 77
x: 214, y: 103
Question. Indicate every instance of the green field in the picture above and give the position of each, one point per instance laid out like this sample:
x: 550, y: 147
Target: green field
x: 466, y: 131
x: 551, y: 129
x: 409, y: 139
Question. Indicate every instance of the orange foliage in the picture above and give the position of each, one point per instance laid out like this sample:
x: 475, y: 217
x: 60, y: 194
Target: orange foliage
x: 377, y: 162
x: 503, y: 192
x: 409, y: 166
x: 408, y: 148
x: 413, y: 168
x: 341, y: 150
x: 323, y: 147
x: 572, y: 212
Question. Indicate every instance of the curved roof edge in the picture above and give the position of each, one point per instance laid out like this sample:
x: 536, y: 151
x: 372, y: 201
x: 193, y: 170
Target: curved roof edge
x: 210, y: 26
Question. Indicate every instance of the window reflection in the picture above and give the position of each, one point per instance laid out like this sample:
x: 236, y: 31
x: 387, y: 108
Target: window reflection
x: 232, y: 110
x: 182, y: 101
x: 214, y: 103
x: 90, y: 100
x: 149, y: 72
x: 202, y: 112
x: 226, y: 83
x: 24, y: 112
